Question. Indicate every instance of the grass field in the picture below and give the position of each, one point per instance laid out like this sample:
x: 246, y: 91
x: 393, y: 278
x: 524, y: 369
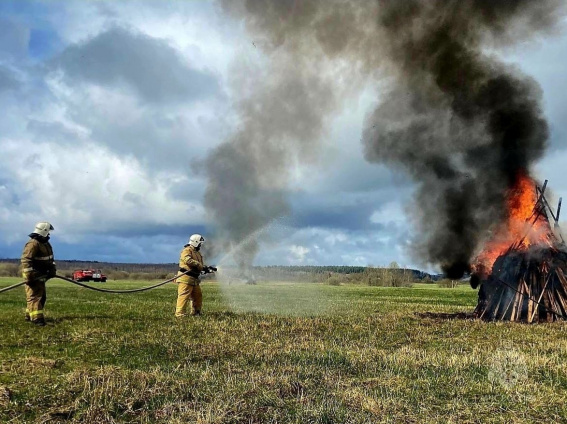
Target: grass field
x: 276, y: 353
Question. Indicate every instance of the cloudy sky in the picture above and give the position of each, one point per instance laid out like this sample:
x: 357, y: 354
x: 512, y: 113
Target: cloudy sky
x: 108, y: 109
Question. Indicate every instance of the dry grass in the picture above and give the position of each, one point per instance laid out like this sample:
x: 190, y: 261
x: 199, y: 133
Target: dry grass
x: 276, y: 353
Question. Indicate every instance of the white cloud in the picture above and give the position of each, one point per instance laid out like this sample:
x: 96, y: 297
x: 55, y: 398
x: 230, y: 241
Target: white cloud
x: 123, y: 58
x: 298, y: 253
x: 195, y: 29
x: 88, y: 189
x: 336, y: 238
x: 389, y: 213
x: 322, y: 246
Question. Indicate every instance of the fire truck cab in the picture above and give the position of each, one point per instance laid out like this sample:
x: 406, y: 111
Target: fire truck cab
x: 89, y: 275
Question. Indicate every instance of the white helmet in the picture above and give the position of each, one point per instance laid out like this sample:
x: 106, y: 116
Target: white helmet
x: 196, y: 240
x: 43, y: 228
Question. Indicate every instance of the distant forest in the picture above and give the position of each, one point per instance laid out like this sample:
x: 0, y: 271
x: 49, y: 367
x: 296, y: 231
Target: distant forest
x: 172, y: 267
x: 340, y: 274
x: 108, y: 266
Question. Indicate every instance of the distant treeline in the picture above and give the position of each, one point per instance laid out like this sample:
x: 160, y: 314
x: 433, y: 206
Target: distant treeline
x: 107, y: 267
x: 391, y: 276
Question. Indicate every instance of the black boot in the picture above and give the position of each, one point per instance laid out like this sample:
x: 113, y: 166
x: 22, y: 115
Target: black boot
x: 39, y: 322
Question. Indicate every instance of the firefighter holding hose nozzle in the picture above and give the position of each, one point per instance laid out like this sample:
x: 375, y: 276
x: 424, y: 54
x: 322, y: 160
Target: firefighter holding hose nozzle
x: 38, y: 266
x: 188, y: 288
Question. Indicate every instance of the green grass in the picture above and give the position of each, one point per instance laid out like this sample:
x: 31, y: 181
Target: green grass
x: 275, y: 353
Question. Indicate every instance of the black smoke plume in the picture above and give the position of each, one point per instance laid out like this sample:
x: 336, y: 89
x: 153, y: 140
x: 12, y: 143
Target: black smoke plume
x: 462, y: 123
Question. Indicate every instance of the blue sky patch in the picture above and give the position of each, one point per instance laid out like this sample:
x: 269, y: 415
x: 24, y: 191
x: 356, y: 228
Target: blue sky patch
x: 44, y: 42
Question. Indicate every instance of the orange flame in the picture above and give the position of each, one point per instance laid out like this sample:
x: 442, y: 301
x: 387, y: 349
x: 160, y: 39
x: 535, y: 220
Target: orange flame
x: 526, y: 225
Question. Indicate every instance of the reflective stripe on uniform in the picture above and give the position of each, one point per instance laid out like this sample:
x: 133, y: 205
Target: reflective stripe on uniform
x: 189, y: 260
x: 43, y: 258
x: 27, y: 269
x: 34, y: 314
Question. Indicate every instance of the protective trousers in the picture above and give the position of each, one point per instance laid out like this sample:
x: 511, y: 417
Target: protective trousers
x: 186, y: 292
x: 35, y: 297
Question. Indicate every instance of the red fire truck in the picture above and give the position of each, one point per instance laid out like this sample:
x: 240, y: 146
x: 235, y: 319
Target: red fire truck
x: 89, y: 275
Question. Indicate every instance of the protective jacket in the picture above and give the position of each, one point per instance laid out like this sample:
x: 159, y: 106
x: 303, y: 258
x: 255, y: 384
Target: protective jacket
x: 37, y: 267
x: 37, y: 259
x: 190, y: 260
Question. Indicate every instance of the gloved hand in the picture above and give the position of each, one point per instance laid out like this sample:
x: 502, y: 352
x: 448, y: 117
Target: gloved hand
x: 209, y: 269
x: 51, y: 272
x: 30, y: 277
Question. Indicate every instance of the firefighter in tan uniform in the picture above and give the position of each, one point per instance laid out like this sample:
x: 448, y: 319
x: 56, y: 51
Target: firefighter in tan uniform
x: 37, y: 267
x: 188, y: 288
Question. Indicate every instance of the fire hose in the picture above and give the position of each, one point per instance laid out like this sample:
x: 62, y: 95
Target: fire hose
x: 5, y: 289
x: 86, y: 286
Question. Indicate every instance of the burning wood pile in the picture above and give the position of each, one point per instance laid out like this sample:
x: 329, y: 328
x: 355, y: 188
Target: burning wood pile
x: 527, y: 259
